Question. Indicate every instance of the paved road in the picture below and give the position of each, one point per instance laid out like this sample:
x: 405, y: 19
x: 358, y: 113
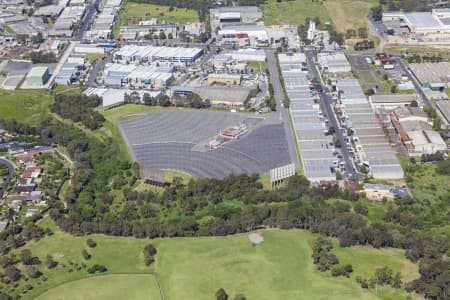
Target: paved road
x: 326, y: 106
x: 282, y: 112
x: 96, y: 68
x: 87, y: 20
x: 11, y: 174
x: 379, y: 30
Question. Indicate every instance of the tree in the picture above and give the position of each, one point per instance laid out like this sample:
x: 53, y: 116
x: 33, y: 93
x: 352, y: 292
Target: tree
x: 394, y: 89
x: 12, y: 273
x: 362, y: 32
x: 361, y: 209
x: 50, y: 262
x: 414, y: 103
x: 26, y: 257
x: 370, y: 92
x: 85, y: 254
x: 240, y: 297
x: 377, y: 13
x: 164, y: 101
x: 221, y: 294
x: 90, y: 243
x: 162, y: 35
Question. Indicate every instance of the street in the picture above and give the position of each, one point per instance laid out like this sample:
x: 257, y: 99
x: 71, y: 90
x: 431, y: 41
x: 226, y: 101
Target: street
x: 281, y: 110
x: 327, y: 108
x: 87, y: 20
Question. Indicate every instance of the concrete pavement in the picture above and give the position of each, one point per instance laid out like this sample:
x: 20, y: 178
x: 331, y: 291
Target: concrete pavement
x: 282, y: 112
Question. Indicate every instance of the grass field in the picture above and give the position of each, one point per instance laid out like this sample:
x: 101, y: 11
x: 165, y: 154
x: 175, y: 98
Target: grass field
x: 108, y: 287
x: 194, y: 268
x: 423, y: 50
x: 293, y: 12
x: 25, y: 105
x: 132, y: 13
x: 349, y: 14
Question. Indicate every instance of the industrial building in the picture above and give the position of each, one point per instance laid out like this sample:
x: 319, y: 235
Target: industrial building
x: 434, y: 76
x: 38, y: 76
x: 71, y: 70
x: 372, y: 147
x: 316, y: 148
x: 243, y: 35
x: 227, y: 79
x: 436, y: 21
x: 138, y: 76
x: 236, y: 14
x: 392, y: 101
x: 64, y: 24
x: 143, y: 54
x: 334, y: 62
x: 443, y: 109
x: 114, y: 97
x: 414, y: 129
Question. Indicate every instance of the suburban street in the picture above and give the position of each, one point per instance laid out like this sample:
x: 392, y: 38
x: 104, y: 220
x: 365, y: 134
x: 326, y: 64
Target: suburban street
x: 326, y: 106
x: 281, y: 110
x: 87, y: 20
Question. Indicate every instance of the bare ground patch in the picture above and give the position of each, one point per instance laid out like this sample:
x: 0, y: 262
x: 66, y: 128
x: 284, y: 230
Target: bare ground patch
x: 256, y: 238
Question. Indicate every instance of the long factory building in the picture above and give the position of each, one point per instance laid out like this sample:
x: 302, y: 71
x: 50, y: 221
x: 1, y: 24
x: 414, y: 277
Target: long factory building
x: 316, y: 149
x: 370, y: 141
x: 142, y: 54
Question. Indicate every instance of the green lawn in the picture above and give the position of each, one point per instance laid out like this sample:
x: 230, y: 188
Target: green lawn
x: 194, y: 268
x: 422, y: 50
x: 108, y: 287
x: 171, y: 174
x: 25, y: 105
x: 132, y: 13
x: 293, y: 12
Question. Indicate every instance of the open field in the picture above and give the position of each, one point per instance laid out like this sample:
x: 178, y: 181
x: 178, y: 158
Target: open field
x: 423, y: 50
x: 108, y: 287
x: 349, y: 14
x: 132, y: 13
x: 194, y: 268
x: 293, y: 12
x: 25, y: 106
x: 181, y: 143
x: 431, y: 194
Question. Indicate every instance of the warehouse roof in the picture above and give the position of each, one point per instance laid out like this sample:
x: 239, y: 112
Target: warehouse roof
x: 444, y: 108
x: 431, y: 72
x: 399, y: 98
x: 37, y: 71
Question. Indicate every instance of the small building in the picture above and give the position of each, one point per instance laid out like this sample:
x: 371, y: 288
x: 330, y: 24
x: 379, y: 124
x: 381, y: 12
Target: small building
x: 227, y: 79
x: 37, y: 76
x: 379, y: 191
x: 31, y: 212
x: 392, y: 101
